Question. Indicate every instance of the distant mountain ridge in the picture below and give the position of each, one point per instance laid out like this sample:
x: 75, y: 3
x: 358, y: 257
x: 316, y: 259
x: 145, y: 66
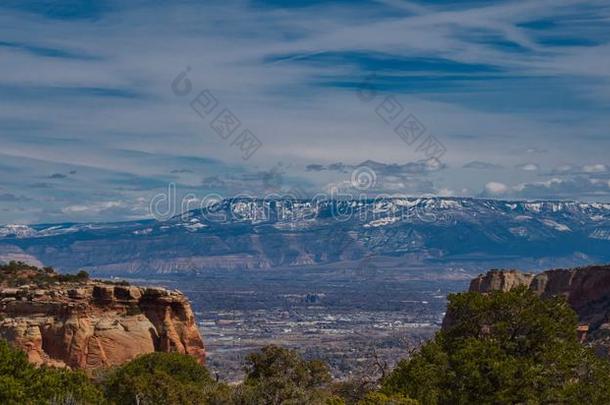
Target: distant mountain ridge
x: 265, y: 234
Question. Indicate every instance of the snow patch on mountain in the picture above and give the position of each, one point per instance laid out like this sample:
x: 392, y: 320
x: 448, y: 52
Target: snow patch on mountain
x: 556, y: 225
x: 19, y: 231
x: 382, y: 222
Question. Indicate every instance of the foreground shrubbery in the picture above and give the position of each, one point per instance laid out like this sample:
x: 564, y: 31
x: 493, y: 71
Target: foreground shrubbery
x: 22, y: 383
x: 504, y: 347
x: 498, y: 348
x: 276, y: 375
x: 158, y: 378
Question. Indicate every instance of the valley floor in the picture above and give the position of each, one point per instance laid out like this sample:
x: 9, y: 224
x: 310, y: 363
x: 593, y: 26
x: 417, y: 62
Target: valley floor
x: 351, y: 320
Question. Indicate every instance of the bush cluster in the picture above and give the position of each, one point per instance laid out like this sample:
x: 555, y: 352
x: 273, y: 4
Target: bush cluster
x: 504, y: 348
x: 15, y: 274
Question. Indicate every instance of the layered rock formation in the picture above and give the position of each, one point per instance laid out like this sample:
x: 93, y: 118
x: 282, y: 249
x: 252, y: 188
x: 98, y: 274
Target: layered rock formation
x: 587, y: 289
x: 93, y: 324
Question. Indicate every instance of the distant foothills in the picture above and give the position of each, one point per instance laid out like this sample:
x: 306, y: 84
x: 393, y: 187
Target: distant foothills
x: 236, y: 234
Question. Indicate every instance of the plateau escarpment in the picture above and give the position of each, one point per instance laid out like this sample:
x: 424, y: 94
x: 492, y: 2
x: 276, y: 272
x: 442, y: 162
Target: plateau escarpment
x: 249, y: 234
x: 79, y: 323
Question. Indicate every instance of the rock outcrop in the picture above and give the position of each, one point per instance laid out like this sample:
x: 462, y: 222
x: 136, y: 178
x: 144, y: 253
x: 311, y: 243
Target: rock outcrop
x: 502, y: 280
x: 93, y: 324
x: 587, y: 289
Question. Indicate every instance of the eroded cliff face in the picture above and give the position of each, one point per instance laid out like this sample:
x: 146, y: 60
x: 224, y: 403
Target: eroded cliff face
x: 93, y: 324
x: 587, y: 289
x: 502, y: 280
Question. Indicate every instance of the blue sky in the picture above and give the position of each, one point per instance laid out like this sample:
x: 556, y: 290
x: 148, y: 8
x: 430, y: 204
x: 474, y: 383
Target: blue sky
x: 518, y: 94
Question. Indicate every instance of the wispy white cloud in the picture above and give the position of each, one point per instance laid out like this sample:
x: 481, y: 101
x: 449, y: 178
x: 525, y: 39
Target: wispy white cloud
x: 89, y: 90
x: 528, y: 167
x: 578, y: 187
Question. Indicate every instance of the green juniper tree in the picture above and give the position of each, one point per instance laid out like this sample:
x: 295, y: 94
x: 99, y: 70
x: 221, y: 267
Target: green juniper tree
x: 504, y: 347
x: 23, y: 383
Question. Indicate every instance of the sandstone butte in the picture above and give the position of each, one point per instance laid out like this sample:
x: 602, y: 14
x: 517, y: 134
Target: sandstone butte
x: 93, y: 324
x: 587, y: 290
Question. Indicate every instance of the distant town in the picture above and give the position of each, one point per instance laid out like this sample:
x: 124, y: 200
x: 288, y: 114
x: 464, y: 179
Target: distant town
x: 348, y: 323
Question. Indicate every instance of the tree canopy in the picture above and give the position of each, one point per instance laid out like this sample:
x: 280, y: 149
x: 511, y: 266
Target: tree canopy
x: 155, y: 378
x: 276, y: 375
x: 504, y: 347
x: 22, y: 383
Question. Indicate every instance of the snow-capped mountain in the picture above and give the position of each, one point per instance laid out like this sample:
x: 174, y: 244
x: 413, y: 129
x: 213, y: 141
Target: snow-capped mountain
x: 262, y: 234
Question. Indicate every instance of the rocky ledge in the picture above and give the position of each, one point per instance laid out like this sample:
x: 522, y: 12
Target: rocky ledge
x: 587, y: 290
x: 93, y: 324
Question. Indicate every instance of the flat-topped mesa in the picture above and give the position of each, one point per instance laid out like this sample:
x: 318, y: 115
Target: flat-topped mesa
x: 93, y: 324
x: 587, y: 290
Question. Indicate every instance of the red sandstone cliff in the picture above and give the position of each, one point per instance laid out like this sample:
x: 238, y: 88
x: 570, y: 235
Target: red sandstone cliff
x: 587, y: 290
x: 94, y: 324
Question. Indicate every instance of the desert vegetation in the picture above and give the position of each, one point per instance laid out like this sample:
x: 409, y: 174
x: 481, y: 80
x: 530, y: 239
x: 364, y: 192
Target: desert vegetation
x: 15, y: 274
x: 501, y: 347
